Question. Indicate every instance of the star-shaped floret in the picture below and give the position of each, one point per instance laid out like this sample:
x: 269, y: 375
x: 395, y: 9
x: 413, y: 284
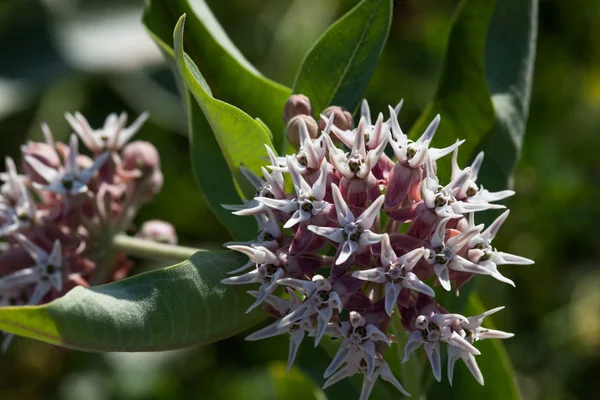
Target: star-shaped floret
x: 396, y: 273
x: 267, y: 272
x: 272, y: 187
x: 432, y: 329
x: 309, y: 200
x: 353, y: 233
x: 444, y: 254
x: 70, y: 180
x: 373, y: 137
x: 111, y: 137
x: 358, y: 337
x: 45, y: 274
x: 481, y: 251
x: 359, y: 162
x: 442, y: 199
x: 18, y: 213
x: 295, y: 330
x: 321, y: 299
x: 472, y: 331
x: 469, y: 191
x: 416, y: 154
x: 358, y: 365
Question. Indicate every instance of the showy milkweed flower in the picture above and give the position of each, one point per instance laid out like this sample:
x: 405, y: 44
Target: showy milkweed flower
x: 57, y: 217
x: 354, y: 201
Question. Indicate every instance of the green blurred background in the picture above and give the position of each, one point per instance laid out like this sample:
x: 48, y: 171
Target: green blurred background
x: 94, y: 56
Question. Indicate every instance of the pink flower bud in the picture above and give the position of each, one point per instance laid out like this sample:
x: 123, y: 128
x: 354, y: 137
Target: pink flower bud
x: 341, y: 118
x: 293, y: 129
x: 297, y: 104
x: 44, y: 153
x: 158, y: 231
x: 140, y: 155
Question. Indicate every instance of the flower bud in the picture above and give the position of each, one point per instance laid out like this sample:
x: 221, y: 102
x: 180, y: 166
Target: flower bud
x: 158, y: 231
x: 297, y: 104
x: 43, y: 153
x: 140, y: 155
x: 341, y: 118
x: 293, y: 129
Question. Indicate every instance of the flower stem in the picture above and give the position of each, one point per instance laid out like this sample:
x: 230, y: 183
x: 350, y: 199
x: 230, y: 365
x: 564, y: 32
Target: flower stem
x: 151, y: 250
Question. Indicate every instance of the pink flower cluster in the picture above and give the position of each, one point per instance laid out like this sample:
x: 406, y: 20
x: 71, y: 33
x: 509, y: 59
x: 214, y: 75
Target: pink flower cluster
x: 58, y: 218
x: 363, y: 238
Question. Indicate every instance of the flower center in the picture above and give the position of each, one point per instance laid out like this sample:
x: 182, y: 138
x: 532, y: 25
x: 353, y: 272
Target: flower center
x: 396, y: 272
x: 352, y: 231
x: 355, y: 162
x: 443, y: 255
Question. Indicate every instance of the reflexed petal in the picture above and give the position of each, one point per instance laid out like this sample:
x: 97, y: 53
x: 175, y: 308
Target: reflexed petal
x: 436, y: 154
x: 267, y: 332
x: 409, y: 259
x: 41, y: 169
x: 320, y: 186
x: 490, y: 233
x: 344, y: 215
x: 376, y: 335
x: 505, y: 258
x: 374, y: 275
x: 437, y: 240
x: 483, y: 333
x: 476, y: 320
x: 348, y: 370
x: 391, y: 295
x: 443, y: 275
x: 388, y: 255
x: 301, y: 285
x: 369, y: 357
x: 453, y: 355
x: 86, y: 175
x: 471, y: 364
x: 348, y: 248
x: 338, y: 359
x: 367, y: 388
x: 323, y: 319
x: 249, y: 277
x: 368, y: 237
x: 287, y: 206
x: 295, y: 340
x: 386, y: 374
x: 368, y: 216
x: 297, y: 218
x: 412, y: 282
x: 430, y: 131
x: 334, y: 234
x: 433, y: 353
x: 413, y: 343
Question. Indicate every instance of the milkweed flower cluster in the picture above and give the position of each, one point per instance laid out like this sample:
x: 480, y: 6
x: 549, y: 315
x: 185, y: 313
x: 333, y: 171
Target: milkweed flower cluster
x: 57, y: 219
x: 363, y: 239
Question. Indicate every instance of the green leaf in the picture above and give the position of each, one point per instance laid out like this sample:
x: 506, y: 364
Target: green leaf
x: 338, y: 67
x: 175, y: 307
x: 241, y: 138
x: 509, y: 61
x: 485, y: 85
x: 209, y: 165
x: 232, y: 78
x: 462, y: 97
x: 500, y: 379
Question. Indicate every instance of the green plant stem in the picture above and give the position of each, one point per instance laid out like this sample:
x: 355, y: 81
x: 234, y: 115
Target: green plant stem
x: 150, y: 250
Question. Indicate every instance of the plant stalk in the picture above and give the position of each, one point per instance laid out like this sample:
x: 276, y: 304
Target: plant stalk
x: 151, y: 250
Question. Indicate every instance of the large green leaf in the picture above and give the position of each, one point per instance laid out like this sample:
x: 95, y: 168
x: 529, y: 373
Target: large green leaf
x: 212, y: 173
x: 231, y: 77
x: 462, y: 97
x: 241, y: 138
x: 509, y: 60
x: 338, y: 67
x: 485, y: 85
x: 175, y: 307
x: 500, y: 380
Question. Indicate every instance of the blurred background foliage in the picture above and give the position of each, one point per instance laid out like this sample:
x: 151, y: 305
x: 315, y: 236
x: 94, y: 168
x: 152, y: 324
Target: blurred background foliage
x: 95, y: 57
